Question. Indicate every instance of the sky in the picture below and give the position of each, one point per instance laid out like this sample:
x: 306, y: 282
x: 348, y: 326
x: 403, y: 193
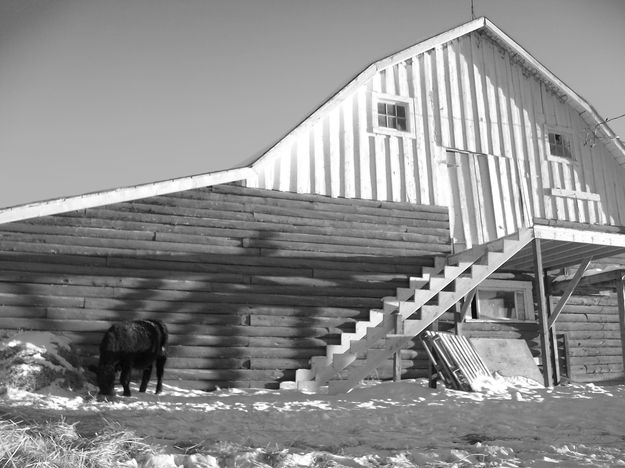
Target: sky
x: 99, y: 94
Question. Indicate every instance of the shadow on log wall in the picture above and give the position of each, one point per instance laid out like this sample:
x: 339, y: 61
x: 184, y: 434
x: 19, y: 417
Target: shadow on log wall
x: 251, y: 283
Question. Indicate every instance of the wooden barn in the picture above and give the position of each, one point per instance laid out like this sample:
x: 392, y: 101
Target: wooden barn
x: 456, y: 184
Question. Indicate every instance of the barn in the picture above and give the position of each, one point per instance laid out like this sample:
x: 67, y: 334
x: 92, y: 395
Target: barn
x: 457, y: 184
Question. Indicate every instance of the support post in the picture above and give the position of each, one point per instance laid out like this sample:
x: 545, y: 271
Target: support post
x: 399, y: 329
x: 432, y: 371
x: 461, y: 314
x: 543, y: 319
x: 620, y: 295
x: 554, y: 349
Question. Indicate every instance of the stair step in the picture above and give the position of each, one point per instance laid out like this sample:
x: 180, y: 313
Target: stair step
x: 496, y: 258
x: 288, y: 385
x: 478, y: 271
x: 319, y: 362
x: 308, y: 386
x: 414, y: 327
x: 464, y: 283
x: 439, y: 282
x: 332, y: 350
x: 302, y: 375
x: 417, y: 282
x: 347, y: 338
x: 376, y: 316
x: 391, y: 305
x: 446, y: 296
x: 403, y: 294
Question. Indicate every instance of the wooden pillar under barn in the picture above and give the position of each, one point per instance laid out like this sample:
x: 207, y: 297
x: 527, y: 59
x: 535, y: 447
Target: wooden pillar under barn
x: 620, y: 295
x: 399, y: 329
x: 543, y: 319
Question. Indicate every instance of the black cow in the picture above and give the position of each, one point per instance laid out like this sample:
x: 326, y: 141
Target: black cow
x: 125, y: 345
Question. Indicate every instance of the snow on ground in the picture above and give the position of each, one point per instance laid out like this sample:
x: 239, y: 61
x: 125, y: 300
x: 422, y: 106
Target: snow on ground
x: 511, y: 422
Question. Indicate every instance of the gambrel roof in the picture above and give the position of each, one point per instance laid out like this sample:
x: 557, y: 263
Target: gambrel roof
x: 586, y: 111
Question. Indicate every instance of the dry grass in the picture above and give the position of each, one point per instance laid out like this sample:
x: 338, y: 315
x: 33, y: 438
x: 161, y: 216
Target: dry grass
x: 58, y: 444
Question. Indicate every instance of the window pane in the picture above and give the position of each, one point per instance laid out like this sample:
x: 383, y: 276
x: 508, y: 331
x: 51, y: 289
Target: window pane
x: 498, y: 305
x: 401, y: 124
x: 520, y: 306
x: 392, y: 122
x: 566, y: 152
x: 381, y: 108
x: 381, y: 120
x: 401, y: 111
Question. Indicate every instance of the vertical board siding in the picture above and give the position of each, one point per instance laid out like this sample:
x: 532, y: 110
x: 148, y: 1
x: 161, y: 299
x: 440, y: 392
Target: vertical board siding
x: 251, y: 283
x: 469, y: 95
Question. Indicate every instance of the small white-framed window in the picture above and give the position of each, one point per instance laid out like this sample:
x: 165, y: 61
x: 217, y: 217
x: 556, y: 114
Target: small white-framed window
x: 392, y: 115
x: 560, y: 144
x: 503, y: 300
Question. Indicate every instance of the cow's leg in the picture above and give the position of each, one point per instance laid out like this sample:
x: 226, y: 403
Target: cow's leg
x: 124, y: 378
x: 147, y: 373
x: 160, y: 366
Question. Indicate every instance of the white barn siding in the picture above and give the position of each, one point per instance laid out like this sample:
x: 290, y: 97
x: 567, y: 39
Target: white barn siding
x: 479, y: 145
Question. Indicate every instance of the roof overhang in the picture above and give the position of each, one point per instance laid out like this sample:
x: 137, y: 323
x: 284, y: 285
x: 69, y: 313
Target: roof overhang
x: 108, y: 197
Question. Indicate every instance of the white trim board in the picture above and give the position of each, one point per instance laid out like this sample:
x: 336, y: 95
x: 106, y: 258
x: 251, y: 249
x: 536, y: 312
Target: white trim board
x: 107, y: 197
x: 582, y: 237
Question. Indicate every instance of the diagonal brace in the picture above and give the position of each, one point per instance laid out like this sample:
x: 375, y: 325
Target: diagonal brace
x: 569, y: 291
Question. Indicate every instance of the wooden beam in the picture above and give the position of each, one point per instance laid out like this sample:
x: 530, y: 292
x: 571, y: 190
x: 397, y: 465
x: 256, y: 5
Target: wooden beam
x: 398, y: 329
x: 569, y: 291
x: 463, y: 310
x: 556, y: 192
x: 545, y: 344
x: 583, y: 237
x: 620, y: 295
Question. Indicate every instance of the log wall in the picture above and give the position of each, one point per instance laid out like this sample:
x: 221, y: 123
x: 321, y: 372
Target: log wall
x: 250, y: 282
x: 591, y: 324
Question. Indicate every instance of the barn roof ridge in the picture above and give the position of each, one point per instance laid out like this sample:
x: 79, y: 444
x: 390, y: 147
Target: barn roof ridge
x: 129, y: 193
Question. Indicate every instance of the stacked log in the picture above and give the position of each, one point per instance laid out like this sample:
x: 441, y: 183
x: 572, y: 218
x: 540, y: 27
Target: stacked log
x: 593, y: 330
x: 251, y: 282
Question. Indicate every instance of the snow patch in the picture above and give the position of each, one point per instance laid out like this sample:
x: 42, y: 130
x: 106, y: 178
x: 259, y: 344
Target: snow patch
x: 510, y: 421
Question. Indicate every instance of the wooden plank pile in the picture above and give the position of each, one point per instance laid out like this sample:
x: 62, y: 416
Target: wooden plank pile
x: 455, y: 360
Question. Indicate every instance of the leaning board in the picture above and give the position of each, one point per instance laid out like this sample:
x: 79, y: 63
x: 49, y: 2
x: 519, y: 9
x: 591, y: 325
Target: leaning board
x: 508, y: 357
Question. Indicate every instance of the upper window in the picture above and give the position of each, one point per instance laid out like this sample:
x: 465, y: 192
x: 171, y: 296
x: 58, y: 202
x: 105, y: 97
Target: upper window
x: 393, y: 115
x: 560, y: 145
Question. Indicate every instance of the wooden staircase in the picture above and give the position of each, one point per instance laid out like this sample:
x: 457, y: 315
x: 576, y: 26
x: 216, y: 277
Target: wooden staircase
x: 418, y: 306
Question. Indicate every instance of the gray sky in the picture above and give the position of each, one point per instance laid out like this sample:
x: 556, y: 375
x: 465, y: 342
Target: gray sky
x: 97, y: 94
